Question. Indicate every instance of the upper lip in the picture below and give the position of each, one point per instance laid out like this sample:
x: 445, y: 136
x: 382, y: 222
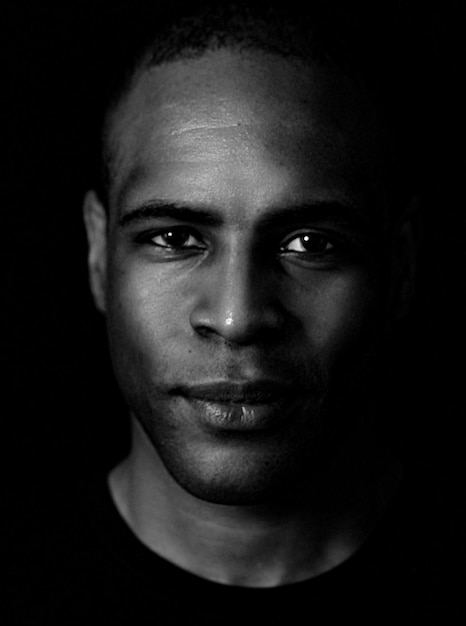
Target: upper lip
x: 243, y: 392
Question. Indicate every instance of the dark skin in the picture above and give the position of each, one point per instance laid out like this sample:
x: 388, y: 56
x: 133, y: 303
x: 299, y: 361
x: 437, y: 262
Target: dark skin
x: 246, y: 272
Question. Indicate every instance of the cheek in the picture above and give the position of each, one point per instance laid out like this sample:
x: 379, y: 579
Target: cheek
x: 145, y: 315
x: 339, y: 309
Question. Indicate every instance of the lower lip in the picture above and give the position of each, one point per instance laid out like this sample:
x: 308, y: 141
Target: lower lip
x: 237, y: 416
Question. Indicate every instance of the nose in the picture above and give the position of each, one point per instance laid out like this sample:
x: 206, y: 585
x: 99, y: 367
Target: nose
x: 238, y: 301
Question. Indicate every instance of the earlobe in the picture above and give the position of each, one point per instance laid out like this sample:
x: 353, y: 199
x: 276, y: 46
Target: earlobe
x: 95, y: 220
x: 405, y: 257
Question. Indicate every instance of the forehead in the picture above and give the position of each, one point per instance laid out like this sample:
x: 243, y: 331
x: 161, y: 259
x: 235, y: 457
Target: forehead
x: 270, y: 123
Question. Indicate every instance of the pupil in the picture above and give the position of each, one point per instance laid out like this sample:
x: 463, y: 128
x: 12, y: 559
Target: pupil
x: 314, y: 243
x: 176, y: 238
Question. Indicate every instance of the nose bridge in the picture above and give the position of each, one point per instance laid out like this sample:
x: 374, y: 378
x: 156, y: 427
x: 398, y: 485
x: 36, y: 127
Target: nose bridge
x: 236, y: 303
x: 236, y: 299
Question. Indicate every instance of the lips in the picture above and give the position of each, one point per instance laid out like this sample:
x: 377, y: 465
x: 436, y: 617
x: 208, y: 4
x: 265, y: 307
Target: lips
x: 250, y: 405
x: 259, y: 392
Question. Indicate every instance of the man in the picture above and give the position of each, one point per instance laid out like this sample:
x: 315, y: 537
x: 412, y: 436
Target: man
x: 251, y: 249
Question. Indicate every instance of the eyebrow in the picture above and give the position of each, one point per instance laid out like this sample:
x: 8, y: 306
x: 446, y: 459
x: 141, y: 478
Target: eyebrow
x: 320, y: 210
x: 281, y: 216
x: 156, y: 209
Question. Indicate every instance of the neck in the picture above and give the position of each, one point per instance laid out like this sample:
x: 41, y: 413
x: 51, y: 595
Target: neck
x: 257, y: 545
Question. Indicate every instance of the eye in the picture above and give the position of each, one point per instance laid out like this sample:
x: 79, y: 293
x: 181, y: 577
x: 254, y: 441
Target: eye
x: 310, y: 243
x: 176, y: 238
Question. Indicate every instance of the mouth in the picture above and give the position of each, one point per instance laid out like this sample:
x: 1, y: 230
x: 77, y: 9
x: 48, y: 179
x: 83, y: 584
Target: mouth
x: 248, y: 392
x: 240, y: 406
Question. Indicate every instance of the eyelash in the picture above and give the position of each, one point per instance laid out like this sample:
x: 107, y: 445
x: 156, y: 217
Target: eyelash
x: 303, y: 237
x: 177, y: 230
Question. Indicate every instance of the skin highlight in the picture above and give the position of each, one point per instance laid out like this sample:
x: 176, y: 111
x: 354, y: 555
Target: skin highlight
x: 233, y: 293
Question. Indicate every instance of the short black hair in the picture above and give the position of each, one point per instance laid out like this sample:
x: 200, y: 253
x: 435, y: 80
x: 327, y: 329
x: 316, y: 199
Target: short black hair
x: 377, y: 43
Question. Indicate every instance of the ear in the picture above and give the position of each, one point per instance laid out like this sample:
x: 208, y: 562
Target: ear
x: 405, y: 250
x: 95, y: 220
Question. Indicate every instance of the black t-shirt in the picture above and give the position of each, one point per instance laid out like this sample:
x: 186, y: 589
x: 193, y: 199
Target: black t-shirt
x: 86, y: 567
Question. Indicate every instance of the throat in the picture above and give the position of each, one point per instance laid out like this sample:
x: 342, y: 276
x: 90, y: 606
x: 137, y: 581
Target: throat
x: 251, y: 546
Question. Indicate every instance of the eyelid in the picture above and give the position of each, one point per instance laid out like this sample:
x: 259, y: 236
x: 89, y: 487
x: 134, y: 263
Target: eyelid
x: 147, y: 236
x: 304, y: 231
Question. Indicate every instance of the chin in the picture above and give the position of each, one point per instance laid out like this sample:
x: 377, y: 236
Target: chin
x: 227, y: 475
x: 233, y: 492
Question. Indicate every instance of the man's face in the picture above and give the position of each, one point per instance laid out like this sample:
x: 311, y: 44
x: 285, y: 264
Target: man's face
x: 244, y: 277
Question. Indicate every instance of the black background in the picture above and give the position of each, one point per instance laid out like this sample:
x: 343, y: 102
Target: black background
x: 61, y: 413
